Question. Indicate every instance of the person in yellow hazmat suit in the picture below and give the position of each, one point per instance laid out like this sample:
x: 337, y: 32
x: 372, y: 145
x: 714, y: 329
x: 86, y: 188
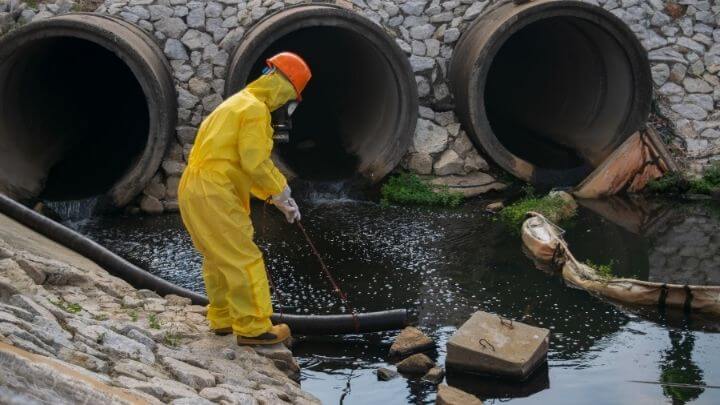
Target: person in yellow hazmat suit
x: 229, y: 161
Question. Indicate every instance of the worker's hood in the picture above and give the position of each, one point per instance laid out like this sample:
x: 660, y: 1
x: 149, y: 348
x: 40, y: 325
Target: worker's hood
x: 273, y: 90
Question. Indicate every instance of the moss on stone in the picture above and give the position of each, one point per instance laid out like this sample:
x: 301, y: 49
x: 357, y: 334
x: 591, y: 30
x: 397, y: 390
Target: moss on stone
x: 409, y: 189
x: 677, y: 183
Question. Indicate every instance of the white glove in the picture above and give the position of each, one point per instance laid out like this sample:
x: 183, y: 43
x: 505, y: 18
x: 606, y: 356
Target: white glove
x: 287, y: 205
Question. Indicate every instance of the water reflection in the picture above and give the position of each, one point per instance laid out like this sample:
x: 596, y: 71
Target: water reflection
x: 445, y: 264
x: 678, y: 368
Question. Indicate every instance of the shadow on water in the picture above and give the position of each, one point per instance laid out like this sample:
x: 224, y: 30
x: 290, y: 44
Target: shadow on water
x: 447, y: 263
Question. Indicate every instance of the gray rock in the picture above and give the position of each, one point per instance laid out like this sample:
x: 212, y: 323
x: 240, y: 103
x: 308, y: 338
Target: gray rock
x: 155, y: 189
x: 666, y: 54
x: 196, y: 18
x: 420, y: 163
x: 693, y: 85
x: 173, y: 168
x: 151, y: 205
x: 414, y: 7
x: 211, y: 102
x: 677, y: 73
x: 462, y: 145
x: 690, y: 111
x: 451, y: 35
x: 487, y: 344
x: 186, y: 99
x: 691, y: 45
x: 416, y: 364
x: 448, y: 163
x: 171, y: 27
x: 158, y: 12
x: 213, y: 10
x: 474, y: 10
x: 429, y: 137
x: 195, y: 39
x: 422, y: 32
x: 192, y: 376
x: 475, y: 162
x: 703, y: 100
x: 470, y: 185
x: 232, y: 39
x: 186, y: 134
x: 411, y: 340
x: 174, y: 49
x: 423, y: 86
x: 660, y: 73
x: 199, y: 88
x: 421, y: 63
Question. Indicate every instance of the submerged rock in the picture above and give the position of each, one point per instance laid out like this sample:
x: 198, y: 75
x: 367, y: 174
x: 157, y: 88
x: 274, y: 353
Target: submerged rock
x: 410, y: 340
x: 448, y: 395
x: 471, y: 185
x: 385, y: 374
x: 435, y: 375
x: 416, y: 364
x: 488, y: 344
x: 495, y: 207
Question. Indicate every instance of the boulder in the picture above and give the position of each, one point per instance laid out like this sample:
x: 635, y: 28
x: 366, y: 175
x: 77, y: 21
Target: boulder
x: 448, y: 163
x: 448, y: 395
x: 416, y: 364
x: 410, y: 340
x: 488, y: 344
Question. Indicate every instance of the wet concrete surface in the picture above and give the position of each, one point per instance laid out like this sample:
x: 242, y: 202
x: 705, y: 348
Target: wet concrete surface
x: 445, y: 264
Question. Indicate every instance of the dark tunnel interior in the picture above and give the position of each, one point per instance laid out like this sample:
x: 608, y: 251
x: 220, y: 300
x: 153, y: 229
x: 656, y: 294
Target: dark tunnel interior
x: 348, y: 108
x: 558, y: 93
x: 75, y: 112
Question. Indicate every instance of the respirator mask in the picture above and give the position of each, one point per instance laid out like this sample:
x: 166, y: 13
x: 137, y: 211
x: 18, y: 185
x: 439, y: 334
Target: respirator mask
x: 281, y: 122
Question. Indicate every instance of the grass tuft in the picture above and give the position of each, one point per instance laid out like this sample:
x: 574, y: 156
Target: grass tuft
x: 153, y: 322
x: 554, y: 208
x: 409, y: 189
x: 677, y: 183
x: 603, y: 270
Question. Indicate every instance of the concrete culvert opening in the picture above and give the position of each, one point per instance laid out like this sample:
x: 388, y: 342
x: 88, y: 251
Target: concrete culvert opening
x: 359, y: 110
x: 80, y: 115
x: 551, y: 88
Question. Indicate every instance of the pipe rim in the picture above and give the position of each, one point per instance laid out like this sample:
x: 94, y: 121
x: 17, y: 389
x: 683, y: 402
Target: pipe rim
x: 507, y: 24
x: 287, y: 20
x: 107, y: 32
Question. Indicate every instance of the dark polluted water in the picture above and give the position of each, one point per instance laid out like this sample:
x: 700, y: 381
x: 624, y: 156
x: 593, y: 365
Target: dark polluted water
x: 447, y: 263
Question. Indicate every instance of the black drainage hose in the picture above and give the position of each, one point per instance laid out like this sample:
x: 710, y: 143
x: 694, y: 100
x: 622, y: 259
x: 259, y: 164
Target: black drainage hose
x: 139, y: 278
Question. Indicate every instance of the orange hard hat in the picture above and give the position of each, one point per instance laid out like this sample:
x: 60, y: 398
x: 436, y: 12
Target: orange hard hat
x: 294, y: 68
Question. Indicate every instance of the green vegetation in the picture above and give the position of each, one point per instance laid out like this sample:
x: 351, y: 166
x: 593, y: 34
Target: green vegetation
x: 554, y: 208
x: 133, y: 315
x: 603, y: 270
x: 101, y: 317
x: 409, y: 189
x: 171, y: 339
x: 66, y: 306
x: 153, y: 322
x: 677, y: 183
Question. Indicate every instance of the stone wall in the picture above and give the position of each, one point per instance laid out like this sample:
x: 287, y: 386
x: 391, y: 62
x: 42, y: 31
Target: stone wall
x: 197, y: 37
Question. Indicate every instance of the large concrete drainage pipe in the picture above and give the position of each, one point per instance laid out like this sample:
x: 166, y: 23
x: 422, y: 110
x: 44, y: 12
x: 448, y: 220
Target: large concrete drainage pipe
x: 359, y: 111
x: 550, y: 88
x: 87, y: 106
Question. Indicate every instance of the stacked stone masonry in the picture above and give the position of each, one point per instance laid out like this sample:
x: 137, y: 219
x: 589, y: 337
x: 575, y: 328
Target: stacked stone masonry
x: 682, y: 40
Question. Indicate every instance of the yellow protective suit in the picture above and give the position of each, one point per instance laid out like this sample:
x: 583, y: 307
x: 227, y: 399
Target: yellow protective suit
x: 229, y: 161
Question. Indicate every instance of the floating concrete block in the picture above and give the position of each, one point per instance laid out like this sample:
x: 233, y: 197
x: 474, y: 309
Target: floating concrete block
x: 487, y: 344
